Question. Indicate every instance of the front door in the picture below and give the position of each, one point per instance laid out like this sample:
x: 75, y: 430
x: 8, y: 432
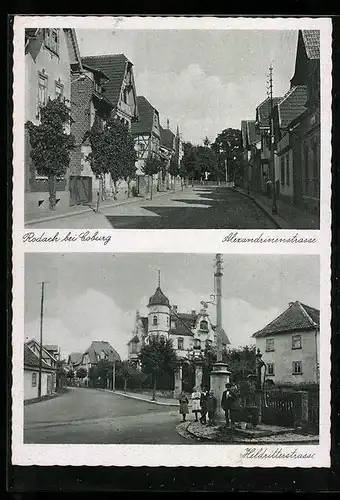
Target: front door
x: 80, y: 190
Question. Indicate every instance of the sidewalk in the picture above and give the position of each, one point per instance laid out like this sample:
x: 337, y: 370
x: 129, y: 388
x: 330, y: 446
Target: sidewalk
x: 288, y: 216
x: 91, y: 207
x: 160, y: 400
x: 261, y: 434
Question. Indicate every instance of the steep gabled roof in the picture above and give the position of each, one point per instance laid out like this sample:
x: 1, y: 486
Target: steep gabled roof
x: 184, y: 323
x: 32, y: 360
x: 263, y: 111
x: 75, y: 358
x: 114, y: 66
x: 292, y: 105
x: 99, y: 346
x: 311, y: 40
x: 297, y: 316
x: 146, y: 115
x: 167, y: 138
x: 224, y: 337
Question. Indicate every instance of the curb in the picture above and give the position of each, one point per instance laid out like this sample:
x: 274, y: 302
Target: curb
x: 182, y: 430
x: 268, y: 214
x: 41, y: 400
x: 88, y: 210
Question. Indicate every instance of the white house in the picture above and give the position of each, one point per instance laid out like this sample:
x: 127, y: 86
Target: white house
x: 31, y: 374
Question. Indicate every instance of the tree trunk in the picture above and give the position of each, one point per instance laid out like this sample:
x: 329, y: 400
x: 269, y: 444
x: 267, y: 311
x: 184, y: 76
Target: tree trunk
x: 103, y: 187
x: 114, y: 190
x: 52, y: 191
x: 125, y: 384
x: 154, y: 388
x: 151, y: 185
x: 128, y: 187
x: 182, y: 183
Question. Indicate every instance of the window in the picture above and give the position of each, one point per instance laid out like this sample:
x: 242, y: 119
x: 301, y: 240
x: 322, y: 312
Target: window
x: 167, y: 321
x: 197, y: 344
x: 34, y: 379
x: 180, y: 344
x: 59, y: 90
x: 173, y: 324
x: 297, y: 367
x: 270, y: 369
x: 42, y: 90
x: 282, y: 171
x: 296, y: 342
x: 155, y: 320
x: 203, y: 325
x: 208, y: 343
x: 52, y: 40
x: 270, y: 345
x: 287, y: 170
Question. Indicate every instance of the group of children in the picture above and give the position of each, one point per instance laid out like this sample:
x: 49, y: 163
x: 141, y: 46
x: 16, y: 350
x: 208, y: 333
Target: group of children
x: 204, y: 403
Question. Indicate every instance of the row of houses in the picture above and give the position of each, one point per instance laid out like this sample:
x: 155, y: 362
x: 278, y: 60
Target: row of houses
x: 50, y: 358
x: 96, y: 88
x: 295, y: 121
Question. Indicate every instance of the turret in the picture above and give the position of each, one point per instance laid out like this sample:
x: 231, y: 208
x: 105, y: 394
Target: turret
x: 158, y: 313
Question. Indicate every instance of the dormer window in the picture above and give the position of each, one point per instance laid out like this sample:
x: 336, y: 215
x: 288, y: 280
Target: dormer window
x: 204, y: 325
x: 155, y: 320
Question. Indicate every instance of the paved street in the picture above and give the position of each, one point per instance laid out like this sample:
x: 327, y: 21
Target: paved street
x: 193, y: 208
x: 87, y: 416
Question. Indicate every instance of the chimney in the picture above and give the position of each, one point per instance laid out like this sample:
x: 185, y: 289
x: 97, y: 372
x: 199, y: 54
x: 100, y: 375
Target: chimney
x: 193, y: 312
x: 174, y: 308
x: 167, y: 124
x: 290, y: 303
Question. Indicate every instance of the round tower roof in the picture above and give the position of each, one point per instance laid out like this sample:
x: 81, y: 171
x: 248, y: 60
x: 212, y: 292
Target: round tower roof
x: 158, y: 299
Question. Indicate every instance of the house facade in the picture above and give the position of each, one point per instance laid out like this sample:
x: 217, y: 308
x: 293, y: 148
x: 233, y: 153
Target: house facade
x: 98, y: 350
x: 262, y: 128
x: 147, y: 135
x: 51, y: 56
x: 306, y: 127
x: 189, y: 332
x: 31, y: 371
x: 290, y: 345
x: 89, y: 107
x: 251, y: 146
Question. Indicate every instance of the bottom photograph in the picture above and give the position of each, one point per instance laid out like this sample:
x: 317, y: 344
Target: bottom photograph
x: 157, y: 348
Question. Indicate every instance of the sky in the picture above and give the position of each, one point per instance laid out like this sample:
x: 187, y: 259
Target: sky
x: 202, y: 80
x: 94, y: 296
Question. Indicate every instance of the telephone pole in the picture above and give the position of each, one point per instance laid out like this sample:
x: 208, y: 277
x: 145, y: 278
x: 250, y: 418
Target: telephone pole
x: 272, y: 165
x: 41, y: 334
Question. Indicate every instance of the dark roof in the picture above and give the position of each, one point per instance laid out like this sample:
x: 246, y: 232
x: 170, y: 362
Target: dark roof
x: 31, y: 32
x: 114, y: 66
x: 146, y: 114
x: 75, y: 358
x: 292, y: 105
x: 159, y: 299
x: 97, y: 347
x: 253, y: 136
x: 263, y: 111
x: 32, y: 360
x: 184, y: 323
x: 297, y: 316
x: 167, y: 138
x: 95, y: 70
x: 311, y: 40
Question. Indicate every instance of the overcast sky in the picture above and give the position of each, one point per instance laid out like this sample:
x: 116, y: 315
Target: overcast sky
x: 94, y: 296
x: 204, y: 81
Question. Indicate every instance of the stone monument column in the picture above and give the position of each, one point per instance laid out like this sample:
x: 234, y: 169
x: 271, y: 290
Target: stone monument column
x: 198, y: 373
x: 178, y: 380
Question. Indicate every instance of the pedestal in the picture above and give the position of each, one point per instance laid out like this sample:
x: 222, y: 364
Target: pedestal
x: 178, y: 381
x: 219, y: 377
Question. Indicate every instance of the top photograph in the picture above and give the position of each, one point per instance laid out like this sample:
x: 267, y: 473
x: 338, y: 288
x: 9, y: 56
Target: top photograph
x: 172, y: 129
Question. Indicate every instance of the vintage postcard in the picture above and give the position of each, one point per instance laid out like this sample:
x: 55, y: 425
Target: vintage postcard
x: 171, y: 241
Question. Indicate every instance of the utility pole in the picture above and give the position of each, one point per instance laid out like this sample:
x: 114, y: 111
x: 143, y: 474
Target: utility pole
x: 41, y: 334
x: 218, y: 287
x: 272, y: 166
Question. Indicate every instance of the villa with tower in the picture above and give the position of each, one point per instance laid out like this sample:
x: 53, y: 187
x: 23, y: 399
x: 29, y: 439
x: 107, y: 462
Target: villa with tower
x: 190, y: 332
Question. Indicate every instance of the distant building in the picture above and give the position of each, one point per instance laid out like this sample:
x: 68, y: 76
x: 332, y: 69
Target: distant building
x: 251, y: 147
x: 290, y: 345
x: 189, y: 332
x: 98, y: 350
x: 74, y: 360
x: 31, y: 371
x: 146, y: 133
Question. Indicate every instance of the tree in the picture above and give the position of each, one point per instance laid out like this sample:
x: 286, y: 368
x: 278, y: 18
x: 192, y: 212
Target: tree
x: 81, y: 373
x: 104, y: 372
x: 112, y: 151
x: 158, y: 358
x: 228, y: 145
x: 51, y: 145
x: 60, y: 374
x: 189, y: 162
x: 173, y: 167
x: 153, y: 164
x: 70, y: 376
x: 93, y: 375
x: 126, y: 371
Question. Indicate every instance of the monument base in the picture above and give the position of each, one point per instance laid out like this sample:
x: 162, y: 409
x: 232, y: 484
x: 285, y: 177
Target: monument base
x: 219, y: 377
